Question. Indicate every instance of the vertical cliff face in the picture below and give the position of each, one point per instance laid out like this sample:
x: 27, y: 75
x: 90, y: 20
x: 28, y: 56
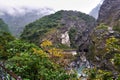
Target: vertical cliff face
x: 65, y: 39
x: 106, y: 37
x: 110, y: 13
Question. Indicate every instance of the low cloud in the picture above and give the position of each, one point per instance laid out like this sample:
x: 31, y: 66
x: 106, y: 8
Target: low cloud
x: 25, y: 10
x: 13, y: 7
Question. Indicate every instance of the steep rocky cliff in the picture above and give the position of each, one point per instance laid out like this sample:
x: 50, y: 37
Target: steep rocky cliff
x: 56, y: 28
x: 104, y: 50
x: 110, y: 13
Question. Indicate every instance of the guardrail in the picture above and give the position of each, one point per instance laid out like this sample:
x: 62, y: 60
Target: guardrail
x: 5, y: 74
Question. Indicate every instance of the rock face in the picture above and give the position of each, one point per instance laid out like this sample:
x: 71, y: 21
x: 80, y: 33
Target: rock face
x: 110, y: 13
x: 56, y: 26
x: 65, y: 39
x: 105, y: 37
x: 102, y: 48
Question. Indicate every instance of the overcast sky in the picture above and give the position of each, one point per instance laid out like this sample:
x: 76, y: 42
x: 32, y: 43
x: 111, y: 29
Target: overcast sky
x: 80, y: 5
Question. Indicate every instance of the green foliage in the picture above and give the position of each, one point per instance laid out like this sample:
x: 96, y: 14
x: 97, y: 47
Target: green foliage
x: 3, y: 26
x: 63, y: 46
x: 5, y: 38
x: 118, y: 77
x: 72, y: 33
x: 17, y: 46
x: 34, y: 32
x: 116, y: 27
x: 35, y: 67
x: 112, y: 44
x: 97, y: 74
x: 31, y: 62
x: 102, y: 26
x: 116, y: 61
x: 86, y: 18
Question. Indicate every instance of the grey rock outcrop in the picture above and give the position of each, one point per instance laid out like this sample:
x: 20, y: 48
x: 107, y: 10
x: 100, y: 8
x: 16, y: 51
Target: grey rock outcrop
x: 110, y: 13
x: 99, y: 55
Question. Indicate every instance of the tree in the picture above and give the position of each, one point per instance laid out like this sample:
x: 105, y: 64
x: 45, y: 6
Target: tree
x: 45, y: 44
x: 112, y: 44
x: 98, y: 74
x: 5, y: 38
x: 116, y: 61
x: 32, y: 63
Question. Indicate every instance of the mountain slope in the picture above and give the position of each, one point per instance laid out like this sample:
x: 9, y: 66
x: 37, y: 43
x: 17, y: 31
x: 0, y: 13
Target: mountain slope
x: 104, y: 50
x: 70, y: 28
x: 17, y: 20
x: 110, y: 13
x: 3, y: 26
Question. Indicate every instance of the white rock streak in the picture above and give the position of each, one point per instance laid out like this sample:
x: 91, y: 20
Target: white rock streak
x: 65, y: 39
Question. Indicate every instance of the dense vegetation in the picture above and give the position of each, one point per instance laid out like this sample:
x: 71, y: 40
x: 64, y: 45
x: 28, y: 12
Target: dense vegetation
x: 45, y: 61
x: 31, y: 62
x: 4, y: 39
x: 117, y: 27
x: 36, y: 31
x: 3, y: 26
x: 72, y: 33
x: 40, y: 56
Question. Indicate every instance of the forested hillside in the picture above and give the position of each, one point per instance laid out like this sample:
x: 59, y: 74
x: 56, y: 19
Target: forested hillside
x: 76, y: 25
x: 3, y: 26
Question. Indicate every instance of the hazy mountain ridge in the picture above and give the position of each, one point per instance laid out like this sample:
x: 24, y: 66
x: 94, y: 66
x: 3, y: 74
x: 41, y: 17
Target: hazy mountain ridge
x: 16, y: 20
